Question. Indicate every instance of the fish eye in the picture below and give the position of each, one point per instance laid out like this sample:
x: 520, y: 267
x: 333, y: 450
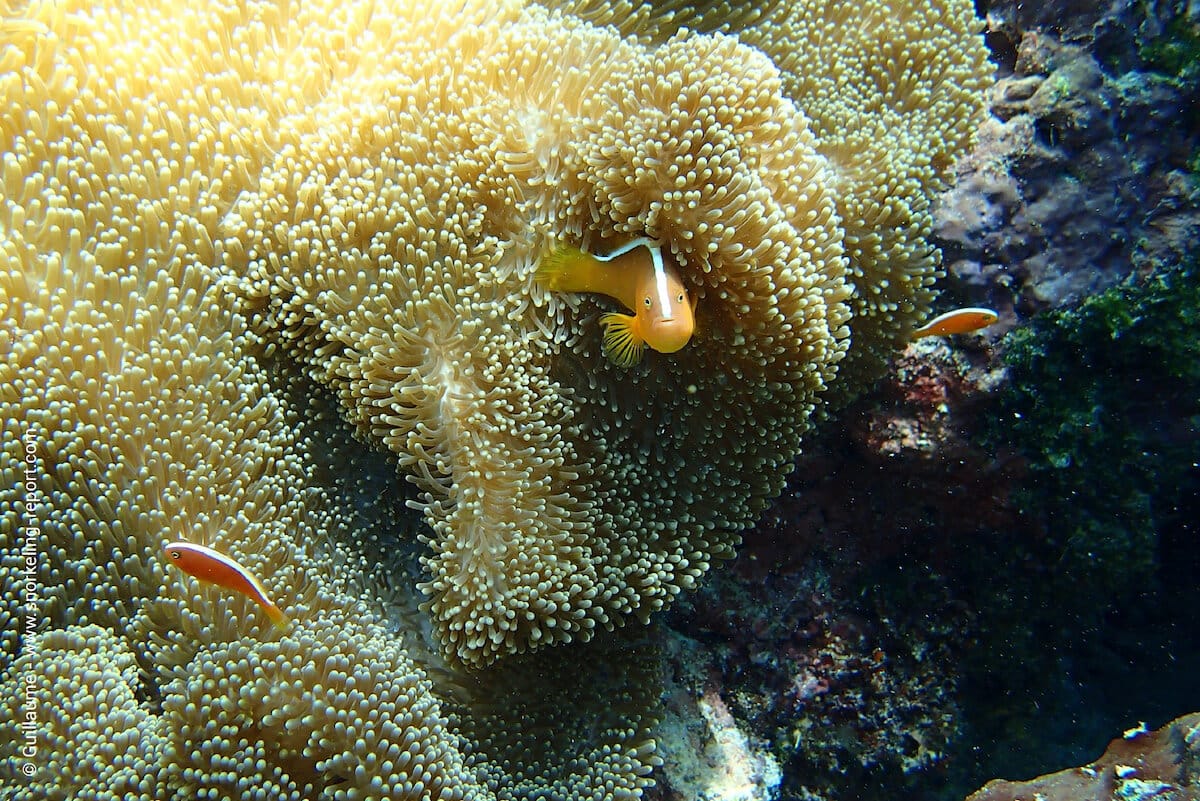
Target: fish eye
x: 174, y: 554
x: 679, y: 299
x: 647, y: 302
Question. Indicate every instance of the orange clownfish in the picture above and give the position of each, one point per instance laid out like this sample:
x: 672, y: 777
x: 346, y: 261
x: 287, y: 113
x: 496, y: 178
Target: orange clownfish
x: 959, y: 321
x: 638, y: 276
x: 217, y: 568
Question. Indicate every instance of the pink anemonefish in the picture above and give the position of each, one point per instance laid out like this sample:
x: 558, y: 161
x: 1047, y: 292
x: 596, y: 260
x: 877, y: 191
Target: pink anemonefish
x: 959, y: 321
x: 216, y: 568
x: 637, y: 276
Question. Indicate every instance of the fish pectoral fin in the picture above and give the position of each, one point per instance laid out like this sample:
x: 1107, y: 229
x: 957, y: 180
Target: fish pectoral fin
x: 621, y: 343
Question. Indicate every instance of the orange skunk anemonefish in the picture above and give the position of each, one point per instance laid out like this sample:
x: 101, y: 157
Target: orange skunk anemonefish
x: 216, y: 568
x: 959, y: 321
x: 640, y: 278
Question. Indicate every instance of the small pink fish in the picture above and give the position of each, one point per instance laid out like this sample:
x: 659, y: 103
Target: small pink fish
x: 216, y: 568
x: 959, y: 321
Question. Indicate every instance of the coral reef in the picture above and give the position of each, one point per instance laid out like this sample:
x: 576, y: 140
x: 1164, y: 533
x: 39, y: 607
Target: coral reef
x: 849, y: 698
x: 227, y: 231
x: 710, y: 753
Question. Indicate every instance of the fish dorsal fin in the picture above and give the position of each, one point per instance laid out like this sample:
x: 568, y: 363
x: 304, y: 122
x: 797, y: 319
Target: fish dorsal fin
x: 653, y: 245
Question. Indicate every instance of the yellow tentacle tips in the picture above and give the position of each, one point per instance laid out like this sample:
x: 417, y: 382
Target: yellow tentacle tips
x: 621, y: 343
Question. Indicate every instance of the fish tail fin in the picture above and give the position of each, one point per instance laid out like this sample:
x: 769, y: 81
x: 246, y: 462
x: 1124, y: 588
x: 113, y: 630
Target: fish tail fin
x: 557, y: 267
x: 277, y: 616
x: 622, y: 344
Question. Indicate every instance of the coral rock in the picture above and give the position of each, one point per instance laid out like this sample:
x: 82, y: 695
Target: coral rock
x: 1141, y: 764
